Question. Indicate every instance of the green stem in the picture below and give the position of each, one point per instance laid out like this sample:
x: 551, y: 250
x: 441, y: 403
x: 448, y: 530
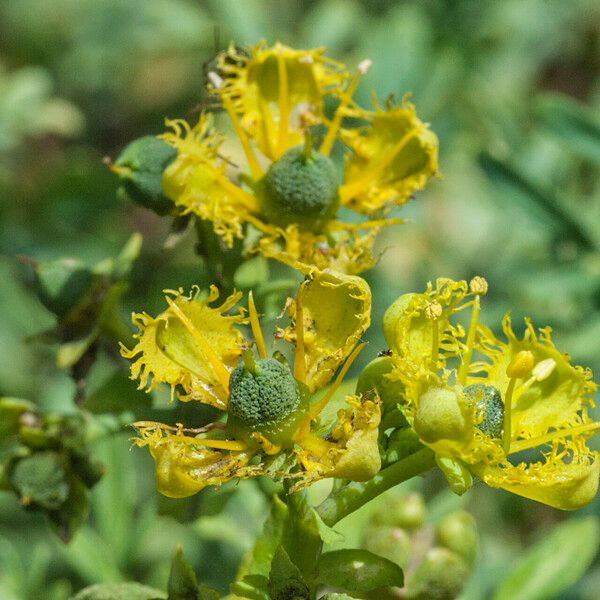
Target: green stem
x: 355, y: 495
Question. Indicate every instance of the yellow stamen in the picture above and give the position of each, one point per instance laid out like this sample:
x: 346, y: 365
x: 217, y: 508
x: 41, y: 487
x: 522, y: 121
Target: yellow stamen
x: 284, y: 105
x: 507, y: 433
x: 350, y: 190
x: 241, y: 134
x: 316, y: 408
x: 520, y: 445
x: 435, y: 344
x: 336, y: 122
x: 341, y: 226
x: 299, y: 355
x: 466, y: 359
x: 268, y: 126
x: 218, y: 444
x: 211, y: 356
x: 248, y: 200
x: 259, y: 340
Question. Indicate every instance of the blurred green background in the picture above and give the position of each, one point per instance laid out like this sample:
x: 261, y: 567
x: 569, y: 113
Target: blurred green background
x: 511, y: 87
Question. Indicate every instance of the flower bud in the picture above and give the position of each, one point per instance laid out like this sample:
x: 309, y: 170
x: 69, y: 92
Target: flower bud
x: 458, y: 532
x: 140, y: 168
x: 440, y: 576
x: 440, y: 416
x: 392, y: 543
x: 300, y: 187
x: 391, y: 317
x: 406, y: 511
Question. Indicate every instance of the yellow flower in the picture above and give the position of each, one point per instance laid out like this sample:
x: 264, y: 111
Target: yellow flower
x: 274, y: 415
x: 291, y: 190
x: 514, y: 413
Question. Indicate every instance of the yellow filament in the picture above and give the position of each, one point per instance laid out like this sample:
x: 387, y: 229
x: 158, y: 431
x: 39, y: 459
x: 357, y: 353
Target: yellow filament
x: 435, y: 344
x: 211, y: 356
x: 238, y: 193
x: 268, y: 125
x: 336, y: 122
x: 466, y: 359
x: 256, y: 330
x: 507, y: 433
x: 341, y: 226
x: 520, y: 445
x: 244, y: 141
x: 350, y: 190
x: 316, y: 408
x: 284, y: 104
x: 299, y: 354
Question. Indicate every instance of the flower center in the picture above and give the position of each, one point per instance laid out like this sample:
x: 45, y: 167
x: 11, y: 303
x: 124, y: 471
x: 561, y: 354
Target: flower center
x: 302, y: 188
x: 487, y: 402
x: 265, y: 398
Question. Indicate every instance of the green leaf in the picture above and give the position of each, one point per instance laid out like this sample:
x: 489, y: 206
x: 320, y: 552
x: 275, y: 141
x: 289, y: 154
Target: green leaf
x: 285, y: 579
x: 358, y: 571
x: 253, y: 587
x: 119, y: 591
x: 183, y: 584
x: 206, y: 593
x: 554, y: 563
x: 577, y: 125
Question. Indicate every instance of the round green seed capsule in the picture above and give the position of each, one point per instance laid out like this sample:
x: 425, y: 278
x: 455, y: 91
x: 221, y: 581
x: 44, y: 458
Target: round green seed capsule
x: 265, y: 399
x: 300, y: 187
x: 488, y: 402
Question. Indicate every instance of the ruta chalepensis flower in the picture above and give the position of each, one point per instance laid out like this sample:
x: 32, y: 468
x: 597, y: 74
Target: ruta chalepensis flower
x: 275, y: 422
x: 513, y: 413
x: 291, y: 190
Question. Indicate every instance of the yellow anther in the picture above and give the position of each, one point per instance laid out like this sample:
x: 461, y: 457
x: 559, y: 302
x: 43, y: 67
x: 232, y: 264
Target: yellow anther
x: 543, y: 369
x: 433, y: 310
x: 478, y: 285
x: 521, y: 364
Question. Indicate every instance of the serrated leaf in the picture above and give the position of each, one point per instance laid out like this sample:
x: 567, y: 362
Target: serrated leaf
x: 183, y: 584
x: 575, y: 124
x: 554, y: 563
x: 358, y: 571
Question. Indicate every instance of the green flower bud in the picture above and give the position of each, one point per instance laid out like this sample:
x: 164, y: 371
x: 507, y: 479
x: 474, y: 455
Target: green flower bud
x: 373, y: 377
x: 119, y: 591
x: 488, y: 404
x: 400, y: 444
x: 458, y: 532
x: 440, y: 576
x: 265, y: 398
x: 406, y: 511
x: 41, y: 480
x: 140, y: 167
x: 391, y: 317
x: 300, y: 187
x: 392, y: 543
x: 440, y: 416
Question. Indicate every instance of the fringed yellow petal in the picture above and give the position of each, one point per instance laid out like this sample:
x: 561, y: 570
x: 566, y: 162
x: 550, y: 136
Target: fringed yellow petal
x: 549, y: 398
x: 351, y: 451
x: 276, y: 91
x: 336, y: 313
x: 393, y: 156
x: 197, y: 181
x: 184, y: 466
x: 167, y: 352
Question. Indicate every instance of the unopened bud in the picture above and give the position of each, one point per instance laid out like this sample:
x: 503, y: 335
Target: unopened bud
x: 521, y: 364
x: 441, y: 576
x: 407, y: 511
x: 458, y: 532
x: 392, y: 543
x: 440, y: 416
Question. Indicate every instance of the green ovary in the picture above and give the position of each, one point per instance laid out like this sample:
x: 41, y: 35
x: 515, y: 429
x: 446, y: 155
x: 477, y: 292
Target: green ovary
x: 267, y: 400
x: 300, y: 188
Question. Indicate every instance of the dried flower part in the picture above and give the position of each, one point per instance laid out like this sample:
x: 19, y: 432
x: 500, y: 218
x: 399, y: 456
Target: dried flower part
x: 543, y: 398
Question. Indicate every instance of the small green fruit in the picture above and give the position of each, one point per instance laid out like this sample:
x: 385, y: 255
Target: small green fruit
x: 458, y: 532
x: 300, y: 187
x: 441, y: 576
x: 407, y: 511
x: 392, y: 543
x: 266, y: 400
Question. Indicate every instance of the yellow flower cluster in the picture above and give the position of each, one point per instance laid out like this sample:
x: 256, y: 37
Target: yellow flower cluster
x: 290, y: 190
x: 513, y: 413
x: 274, y: 423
